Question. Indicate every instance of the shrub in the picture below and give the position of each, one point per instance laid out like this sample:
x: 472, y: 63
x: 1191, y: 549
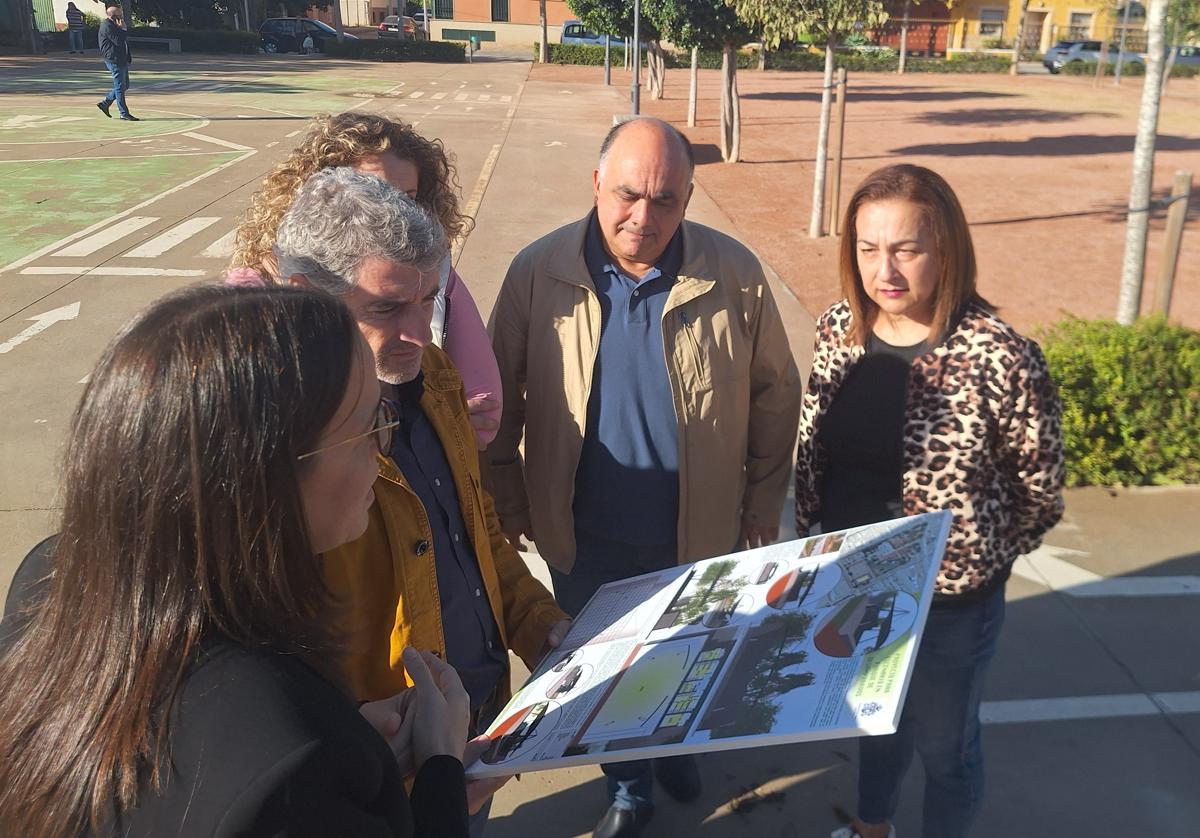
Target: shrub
x: 578, y: 54
x: 887, y: 61
x: 190, y: 40
x: 1131, y: 400
x: 380, y: 50
x: 1084, y: 68
x: 709, y: 59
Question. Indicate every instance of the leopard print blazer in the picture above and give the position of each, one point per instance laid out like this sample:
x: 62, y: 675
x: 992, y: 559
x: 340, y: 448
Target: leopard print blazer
x: 982, y: 437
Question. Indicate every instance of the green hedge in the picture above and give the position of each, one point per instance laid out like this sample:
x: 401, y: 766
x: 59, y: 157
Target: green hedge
x: 866, y: 62
x: 1131, y: 400
x: 577, y: 54
x: 594, y: 57
x: 190, y: 40
x: 380, y: 50
x: 1082, y: 68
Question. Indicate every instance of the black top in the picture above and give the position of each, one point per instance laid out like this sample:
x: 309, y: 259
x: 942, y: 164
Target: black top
x: 263, y: 745
x: 862, y: 435
x: 114, y: 44
x: 473, y: 645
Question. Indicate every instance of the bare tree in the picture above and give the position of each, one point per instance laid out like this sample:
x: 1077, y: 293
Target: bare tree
x: 1134, y: 264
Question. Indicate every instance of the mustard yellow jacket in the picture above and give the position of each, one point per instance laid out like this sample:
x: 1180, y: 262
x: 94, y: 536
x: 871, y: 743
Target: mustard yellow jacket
x: 386, y: 582
x: 734, y: 385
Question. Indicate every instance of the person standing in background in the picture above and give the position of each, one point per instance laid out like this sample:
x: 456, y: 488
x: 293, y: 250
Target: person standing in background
x: 75, y: 29
x: 114, y: 46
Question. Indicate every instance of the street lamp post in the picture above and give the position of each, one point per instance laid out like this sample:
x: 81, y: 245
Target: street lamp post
x: 636, y: 84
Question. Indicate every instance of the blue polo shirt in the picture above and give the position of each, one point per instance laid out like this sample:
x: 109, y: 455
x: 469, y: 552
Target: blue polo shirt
x: 627, y: 483
x: 473, y: 644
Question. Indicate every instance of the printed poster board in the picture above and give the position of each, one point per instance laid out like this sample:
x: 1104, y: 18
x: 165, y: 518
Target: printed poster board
x: 801, y: 641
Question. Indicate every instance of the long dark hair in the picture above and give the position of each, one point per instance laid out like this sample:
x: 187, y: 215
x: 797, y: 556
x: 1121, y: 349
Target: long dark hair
x: 943, y: 215
x: 182, y: 520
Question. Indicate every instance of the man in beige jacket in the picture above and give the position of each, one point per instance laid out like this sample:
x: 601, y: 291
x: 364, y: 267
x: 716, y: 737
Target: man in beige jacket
x: 644, y: 361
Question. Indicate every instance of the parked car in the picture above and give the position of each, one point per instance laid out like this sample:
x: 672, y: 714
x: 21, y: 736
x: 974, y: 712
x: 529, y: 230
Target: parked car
x: 403, y: 27
x: 573, y: 32
x: 286, y: 34
x: 1187, y: 55
x: 1084, y: 52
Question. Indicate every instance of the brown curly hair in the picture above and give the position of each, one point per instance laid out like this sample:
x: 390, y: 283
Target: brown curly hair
x: 344, y: 140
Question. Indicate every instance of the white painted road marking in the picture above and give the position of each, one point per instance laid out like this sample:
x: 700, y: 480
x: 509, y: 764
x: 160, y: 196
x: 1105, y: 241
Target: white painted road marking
x: 160, y: 244
x: 417, y: 95
x: 222, y: 248
x: 1046, y: 567
x: 215, y: 141
x: 441, y: 95
x: 462, y: 97
x: 41, y: 322
x: 107, y: 236
x: 110, y: 271
x: 1088, y: 707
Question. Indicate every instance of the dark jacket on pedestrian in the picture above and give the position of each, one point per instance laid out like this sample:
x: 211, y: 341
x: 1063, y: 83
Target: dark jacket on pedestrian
x: 261, y: 744
x: 114, y: 44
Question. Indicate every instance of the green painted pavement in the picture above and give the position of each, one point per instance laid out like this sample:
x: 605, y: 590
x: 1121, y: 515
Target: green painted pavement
x: 32, y: 124
x: 44, y: 203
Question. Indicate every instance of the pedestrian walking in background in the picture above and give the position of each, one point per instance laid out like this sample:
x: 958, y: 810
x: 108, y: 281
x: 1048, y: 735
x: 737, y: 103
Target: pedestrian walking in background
x: 114, y: 46
x: 75, y: 29
x: 921, y: 398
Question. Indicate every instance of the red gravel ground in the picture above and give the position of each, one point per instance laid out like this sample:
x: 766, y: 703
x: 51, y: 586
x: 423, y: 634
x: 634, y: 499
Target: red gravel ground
x: 1042, y: 165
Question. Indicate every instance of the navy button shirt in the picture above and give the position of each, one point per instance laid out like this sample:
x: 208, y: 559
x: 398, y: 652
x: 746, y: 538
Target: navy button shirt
x: 473, y: 644
x: 627, y: 483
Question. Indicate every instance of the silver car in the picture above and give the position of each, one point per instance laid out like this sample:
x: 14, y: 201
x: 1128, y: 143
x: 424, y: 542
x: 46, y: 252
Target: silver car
x: 1084, y: 52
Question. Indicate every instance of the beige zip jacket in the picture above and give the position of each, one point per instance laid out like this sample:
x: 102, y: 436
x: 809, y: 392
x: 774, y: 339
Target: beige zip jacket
x: 734, y: 384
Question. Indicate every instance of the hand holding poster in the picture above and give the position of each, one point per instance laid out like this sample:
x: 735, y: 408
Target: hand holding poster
x: 806, y: 640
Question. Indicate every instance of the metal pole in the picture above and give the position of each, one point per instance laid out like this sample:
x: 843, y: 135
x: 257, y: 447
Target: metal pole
x: 246, y: 9
x: 693, y: 92
x: 428, y: 28
x: 1176, y: 215
x: 608, y: 59
x: 835, y: 187
x: 1121, y: 48
x: 635, y: 92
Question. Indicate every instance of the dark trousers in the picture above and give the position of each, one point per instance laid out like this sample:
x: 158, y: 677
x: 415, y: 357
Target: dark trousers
x: 120, y: 75
x: 599, y: 561
x: 940, y: 722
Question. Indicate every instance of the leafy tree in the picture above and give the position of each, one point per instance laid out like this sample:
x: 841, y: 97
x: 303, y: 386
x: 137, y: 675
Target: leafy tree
x: 709, y: 24
x: 615, y: 17
x: 831, y: 21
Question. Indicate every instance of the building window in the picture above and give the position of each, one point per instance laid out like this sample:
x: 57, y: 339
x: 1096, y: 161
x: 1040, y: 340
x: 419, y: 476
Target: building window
x: 500, y: 10
x: 991, y: 22
x: 443, y: 9
x: 1080, y: 26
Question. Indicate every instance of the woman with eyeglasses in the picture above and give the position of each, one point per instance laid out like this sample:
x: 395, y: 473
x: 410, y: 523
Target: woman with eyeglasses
x: 167, y: 670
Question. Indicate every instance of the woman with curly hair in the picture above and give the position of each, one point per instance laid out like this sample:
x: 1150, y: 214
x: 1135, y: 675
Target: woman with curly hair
x: 420, y: 167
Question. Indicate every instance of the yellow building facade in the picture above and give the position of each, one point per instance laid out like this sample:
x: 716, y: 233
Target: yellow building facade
x: 993, y: 24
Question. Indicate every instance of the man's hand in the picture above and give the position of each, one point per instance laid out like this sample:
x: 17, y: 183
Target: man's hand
x: 478, y: 409
x: 555, y: 637
x: 755, y: 535
x: 514, y: 537
x: 480, y: 791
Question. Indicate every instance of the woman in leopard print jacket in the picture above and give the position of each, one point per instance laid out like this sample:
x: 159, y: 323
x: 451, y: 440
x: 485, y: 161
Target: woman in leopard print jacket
x: 919, y: 399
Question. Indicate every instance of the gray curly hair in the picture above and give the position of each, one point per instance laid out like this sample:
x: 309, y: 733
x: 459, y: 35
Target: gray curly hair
x: 341, y: 217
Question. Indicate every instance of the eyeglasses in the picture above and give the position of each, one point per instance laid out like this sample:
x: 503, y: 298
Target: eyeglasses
x: 387, y: 419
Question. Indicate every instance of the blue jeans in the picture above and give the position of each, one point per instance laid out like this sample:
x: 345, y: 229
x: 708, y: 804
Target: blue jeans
x: 599, y: 561
x: 120, y: 74
x: 75, y: 36
x: 940, y: 722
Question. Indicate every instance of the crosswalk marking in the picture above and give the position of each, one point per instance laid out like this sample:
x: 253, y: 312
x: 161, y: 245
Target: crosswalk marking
x: 483, y: 97
x: 441, y: 95
x: 102, y: 239
x: 505, y: 98
x: 416, y: 94
x: 178, y: 234
x: 462, y: 97
x: 110, y: 271
x: 222, y: 248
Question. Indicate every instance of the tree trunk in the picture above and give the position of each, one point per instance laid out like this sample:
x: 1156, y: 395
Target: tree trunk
x: 1101, y: 61
x: 1133, y: 266
x: 762, y: 57
x: 543, y: 41
x: 656, y: 69
x: 816, y: 222
x: 694, y: 85
x: 735, y: 152
x: 1170, y: 65
x: 726, y: 107
x: 903, y: 39
x: 335, y: 9
x: 1016, y: 59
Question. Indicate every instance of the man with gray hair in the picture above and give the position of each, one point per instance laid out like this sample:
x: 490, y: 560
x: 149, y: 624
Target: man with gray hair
x: 645, y: 363
x: 433, y: 570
